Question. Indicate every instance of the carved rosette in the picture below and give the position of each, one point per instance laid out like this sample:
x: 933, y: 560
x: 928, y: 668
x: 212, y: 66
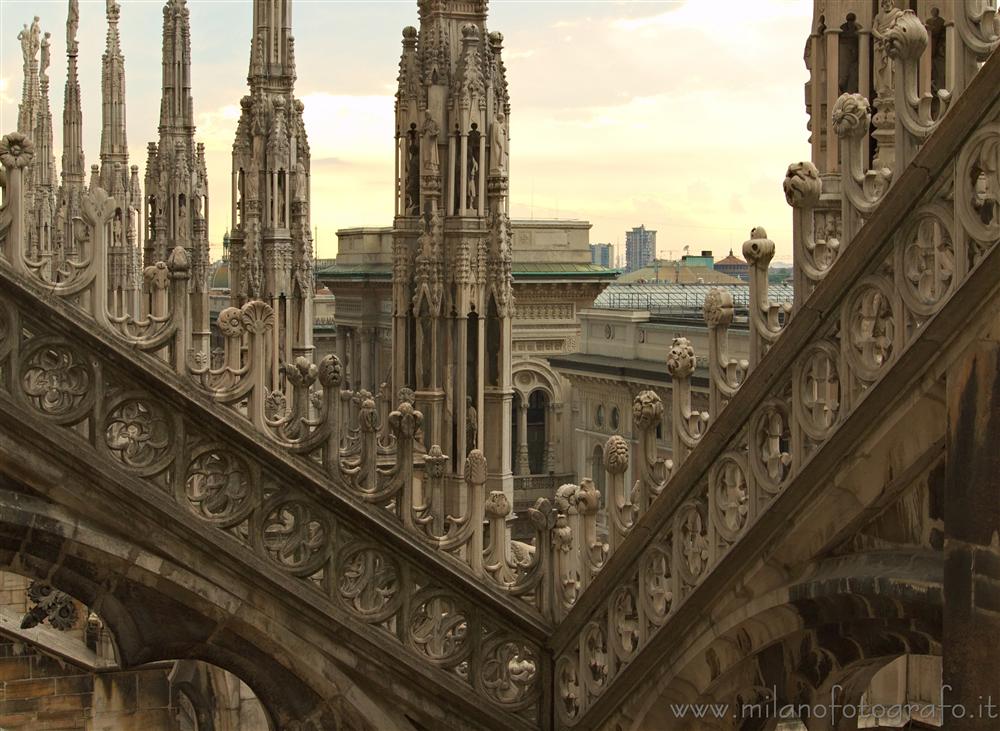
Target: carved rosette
x: 258, y: 317
x: 616, y: 454
x: 623, y: 613
x: 16, y: 150
x: 729, y: 497
x: 231, y: 322
x: 851, y: 116
x: 294, y: 535
x: 219, y: 486
x: 680, y: 360
x: 475, y: 468
x: 870, y: 328
x: 138, y: 433
x: 817, y: 390
x: 925, y: 260
x: 568, y: 690
x: 906, y: 38
x: 594, y: 652
x: 718, y: 308
x: 656, y: 582
x: 368, y: 583
x: 438, y: 627
x: 977, y: 192
x: 509, y: 672
x: 647, y: 410
x: 405, y: 421
x: 802, y: 185
x: 55, y: 380
x: 693, y: 543
x: 50, y: 605
x: 434, y: 462
x: 331, y: 373
x: 770, y: 432
x: 368, y: 416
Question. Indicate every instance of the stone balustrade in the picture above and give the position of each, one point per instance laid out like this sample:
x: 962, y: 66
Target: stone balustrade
x: 878, y: 304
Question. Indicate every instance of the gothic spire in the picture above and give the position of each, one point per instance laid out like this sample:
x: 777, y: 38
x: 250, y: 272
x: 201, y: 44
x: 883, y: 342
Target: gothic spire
x: 176, y: 104
x: 73, y: 166
x: 30, y: 38
x: 272, y: 53
x: 114, y: 147
x: 44, y: 155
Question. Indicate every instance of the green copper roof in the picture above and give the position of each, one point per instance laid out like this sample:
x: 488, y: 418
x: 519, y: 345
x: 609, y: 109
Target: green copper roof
x: 356, y: 271
x: 520, y: 270
x: 561, y: 269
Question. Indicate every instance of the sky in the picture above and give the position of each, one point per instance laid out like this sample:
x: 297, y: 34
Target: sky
x: 681, y: 115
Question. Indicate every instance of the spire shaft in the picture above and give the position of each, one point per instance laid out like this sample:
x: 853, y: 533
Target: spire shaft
x: 73, y: 166
x: 114, y: 145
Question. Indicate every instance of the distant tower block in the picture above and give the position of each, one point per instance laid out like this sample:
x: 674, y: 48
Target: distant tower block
x: 452, y: 241
x: 271, y: 247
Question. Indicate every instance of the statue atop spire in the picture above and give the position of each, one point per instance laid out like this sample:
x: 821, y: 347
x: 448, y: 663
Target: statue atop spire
x: 30, y: 37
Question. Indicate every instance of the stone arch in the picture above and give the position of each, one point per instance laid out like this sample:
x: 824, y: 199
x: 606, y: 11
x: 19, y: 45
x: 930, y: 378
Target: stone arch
x: 530, y: 375
x: 537, y: 390
x: 839, y: 625
x: 157, y: 610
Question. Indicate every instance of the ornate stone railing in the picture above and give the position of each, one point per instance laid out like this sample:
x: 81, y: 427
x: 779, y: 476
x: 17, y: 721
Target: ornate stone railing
x: 933, y: 228
x: 80, y: 394
x: 363, y: 449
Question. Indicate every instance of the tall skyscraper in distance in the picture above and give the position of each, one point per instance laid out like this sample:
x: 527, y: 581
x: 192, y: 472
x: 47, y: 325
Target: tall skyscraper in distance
x: 640, y: 248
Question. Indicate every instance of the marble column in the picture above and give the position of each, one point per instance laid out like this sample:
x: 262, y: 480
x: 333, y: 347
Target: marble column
x: 550, y: 437
x: 523, y: 468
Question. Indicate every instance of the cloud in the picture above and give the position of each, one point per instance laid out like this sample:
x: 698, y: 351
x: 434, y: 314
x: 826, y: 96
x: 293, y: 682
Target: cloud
x: 680, y: 115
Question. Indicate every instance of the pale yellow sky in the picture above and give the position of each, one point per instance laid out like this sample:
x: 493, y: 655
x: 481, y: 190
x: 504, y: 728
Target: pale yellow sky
x: 678, y: 115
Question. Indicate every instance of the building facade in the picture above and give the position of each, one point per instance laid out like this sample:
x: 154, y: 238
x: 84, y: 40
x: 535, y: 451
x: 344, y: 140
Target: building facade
x: 603, y: 254
x: 640, y: 248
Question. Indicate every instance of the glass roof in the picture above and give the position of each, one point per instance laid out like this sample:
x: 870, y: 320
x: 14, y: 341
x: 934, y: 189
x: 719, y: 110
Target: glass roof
x: 678, y: 297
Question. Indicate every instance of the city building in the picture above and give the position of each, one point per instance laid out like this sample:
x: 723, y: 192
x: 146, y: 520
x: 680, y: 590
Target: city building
x: 640, y: 248
x: 733, y: 266
x: 706, y: 259
x: 603, y: 254
x: 574, y: 503
x: 553, y: 280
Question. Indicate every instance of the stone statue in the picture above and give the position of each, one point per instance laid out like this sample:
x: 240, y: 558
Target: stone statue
x: 848, y: 55
x: 25, y: 37
x: 116, y: 231
x: 412, y: 171
x: 301, y: 184
x: 36, y: 33
x: 430, y: 132
x: 30, y: 40
x: 472, y: 199
x: 182, y: 223
x: 45, y: 54
x: 471, y: 425
x: 251, y: 182
x: 498, y: 144
x: 884, y: 19
x: 72, y: 25
x: 938, y: 36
